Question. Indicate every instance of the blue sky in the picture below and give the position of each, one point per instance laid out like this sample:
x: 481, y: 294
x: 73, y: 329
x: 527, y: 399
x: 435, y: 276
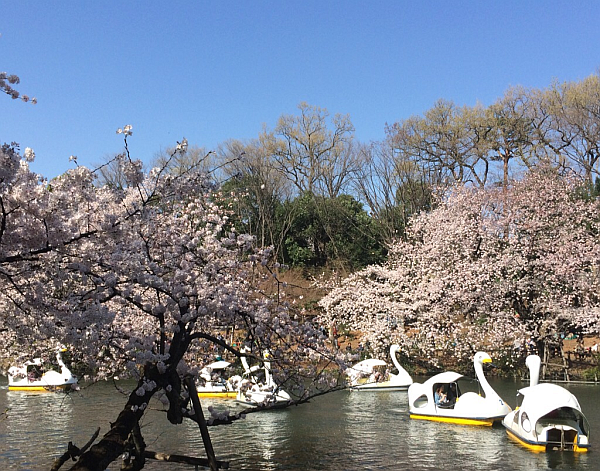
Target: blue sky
x: 212, y: 71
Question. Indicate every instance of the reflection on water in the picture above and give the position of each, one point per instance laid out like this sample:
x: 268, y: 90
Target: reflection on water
x: 28, y: 416
x: 37, y: 425
x: 343, y: 430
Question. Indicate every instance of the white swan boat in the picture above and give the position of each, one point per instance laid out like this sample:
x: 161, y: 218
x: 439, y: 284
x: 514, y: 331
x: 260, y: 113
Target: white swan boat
x: 32, y: 376
x: 549, y: 417
x: 453, y: 407
x: 254, y: 392
x: 213, y: 384
x: 363, y: 375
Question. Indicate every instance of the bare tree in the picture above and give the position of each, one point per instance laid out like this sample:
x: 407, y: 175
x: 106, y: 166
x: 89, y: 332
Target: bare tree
x: 509, y: 131
x: 257, y: 191
x: 574, y: 130
x: 110, y: 172
x: 393, y: 186
x: 447, y: 141
x: 179, y: 163
x: 314, y: 155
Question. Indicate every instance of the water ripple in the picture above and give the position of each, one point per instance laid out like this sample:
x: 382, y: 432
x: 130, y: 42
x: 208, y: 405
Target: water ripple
x: 340, y: 431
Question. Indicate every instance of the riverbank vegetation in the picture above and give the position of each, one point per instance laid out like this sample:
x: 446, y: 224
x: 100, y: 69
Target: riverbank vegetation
x: 467, y: 228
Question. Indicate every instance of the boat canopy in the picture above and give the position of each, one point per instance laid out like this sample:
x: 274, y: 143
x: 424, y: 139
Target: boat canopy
x: 445, y: 377
x: 545, y: 398
x: 218, y: 365
x: 365, y: 366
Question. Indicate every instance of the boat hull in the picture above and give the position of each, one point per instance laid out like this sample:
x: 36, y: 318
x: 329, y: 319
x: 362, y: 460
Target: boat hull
x: 40, y: 388
x: 218, y: 394
x: 537, y: 446
x: 258, y: 398
x: 480, y: 421
x: 379, y: 387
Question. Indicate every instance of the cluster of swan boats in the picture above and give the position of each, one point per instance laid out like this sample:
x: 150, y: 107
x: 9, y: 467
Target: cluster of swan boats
x: 548, y: 418
x: 254, y: 387
x: 249, y: 388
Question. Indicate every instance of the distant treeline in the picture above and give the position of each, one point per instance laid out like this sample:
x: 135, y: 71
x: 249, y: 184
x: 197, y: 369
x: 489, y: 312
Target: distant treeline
x: 321, y: 198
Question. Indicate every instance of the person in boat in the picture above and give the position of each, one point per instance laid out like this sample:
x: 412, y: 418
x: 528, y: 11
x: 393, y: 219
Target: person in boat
x: 439, y: 395
x: 453, y: 393
x: 34, y: 373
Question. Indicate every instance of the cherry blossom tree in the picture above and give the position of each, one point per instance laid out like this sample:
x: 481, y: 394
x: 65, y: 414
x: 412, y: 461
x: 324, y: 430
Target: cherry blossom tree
x: 137, y: 280
x: 484, y: 270
x: 7, y: 82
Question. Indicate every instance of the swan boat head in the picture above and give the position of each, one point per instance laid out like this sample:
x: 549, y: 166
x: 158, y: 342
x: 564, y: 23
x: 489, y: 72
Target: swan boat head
x: 402, y: 378
x: 533, y: 363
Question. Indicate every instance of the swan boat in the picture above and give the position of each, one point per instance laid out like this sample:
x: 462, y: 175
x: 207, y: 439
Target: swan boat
x: 363, y: 377
x: 254, y: 392
x: 212, y: 383
x: 468, y: 408
x: 549, y: 417
x: 32, y: 376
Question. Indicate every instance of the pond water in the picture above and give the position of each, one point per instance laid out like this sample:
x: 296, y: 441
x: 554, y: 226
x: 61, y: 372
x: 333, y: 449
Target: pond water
x: 338, y: 431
